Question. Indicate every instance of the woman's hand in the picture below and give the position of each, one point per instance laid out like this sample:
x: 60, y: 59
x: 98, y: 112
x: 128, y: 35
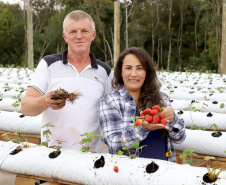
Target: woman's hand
x: 169, y: 114
x: 152, y: 126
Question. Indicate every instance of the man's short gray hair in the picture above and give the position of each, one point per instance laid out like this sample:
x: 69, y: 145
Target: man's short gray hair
x: 78, y: 15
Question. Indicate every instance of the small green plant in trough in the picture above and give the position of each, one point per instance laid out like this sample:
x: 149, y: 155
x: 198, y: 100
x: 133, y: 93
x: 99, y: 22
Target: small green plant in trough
x: 135, y: 145
x: 46, y: 133
x: 16, y: 139
x: 188, y: 156
x: 88, y: 142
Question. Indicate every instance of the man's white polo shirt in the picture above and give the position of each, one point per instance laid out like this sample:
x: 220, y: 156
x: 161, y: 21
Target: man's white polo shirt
x: 54, y: 72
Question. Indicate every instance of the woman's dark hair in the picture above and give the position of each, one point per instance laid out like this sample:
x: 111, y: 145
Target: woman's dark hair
x: 150, y: 90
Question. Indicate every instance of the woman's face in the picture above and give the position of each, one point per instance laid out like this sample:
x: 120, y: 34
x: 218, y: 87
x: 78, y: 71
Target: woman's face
x: 133, y: 73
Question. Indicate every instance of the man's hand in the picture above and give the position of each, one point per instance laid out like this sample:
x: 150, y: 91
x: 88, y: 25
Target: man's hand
x: 54, y: 104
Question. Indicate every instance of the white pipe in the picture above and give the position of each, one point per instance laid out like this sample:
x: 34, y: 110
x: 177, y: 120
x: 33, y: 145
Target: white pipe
x: 204, y: 143
x: 78, y: 167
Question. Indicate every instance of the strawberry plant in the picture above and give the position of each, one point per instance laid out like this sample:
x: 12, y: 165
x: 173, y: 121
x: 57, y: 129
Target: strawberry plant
x: 46, y: 133
x: 134, y: 145
x: 212, y: 174
x: 196, y: 127
x: 15, y: 140
x: 88, y: 142
x: 187, y: 155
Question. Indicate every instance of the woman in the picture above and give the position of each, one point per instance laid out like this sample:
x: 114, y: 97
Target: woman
x: 137, y: 88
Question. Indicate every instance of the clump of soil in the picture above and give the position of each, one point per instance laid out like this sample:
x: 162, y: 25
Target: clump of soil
x: 54, y: 154
x: 152, y: 167
x: 216, y: 134
x: 63, y: 94
x: 99, y: 163
x: 207, y: 179
x: 16, y: 151
x: 19, y: 148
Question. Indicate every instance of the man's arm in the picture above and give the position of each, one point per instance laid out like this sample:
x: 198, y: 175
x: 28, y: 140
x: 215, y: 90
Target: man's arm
x: 34, y: 102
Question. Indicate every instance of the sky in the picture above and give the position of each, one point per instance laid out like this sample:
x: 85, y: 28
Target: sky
x: 11, y: 1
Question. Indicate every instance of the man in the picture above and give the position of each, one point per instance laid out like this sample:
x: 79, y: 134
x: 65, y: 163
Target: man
x: 75, y: 70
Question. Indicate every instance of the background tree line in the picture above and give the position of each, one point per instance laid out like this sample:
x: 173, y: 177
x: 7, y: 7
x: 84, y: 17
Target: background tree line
x: 178, y: 35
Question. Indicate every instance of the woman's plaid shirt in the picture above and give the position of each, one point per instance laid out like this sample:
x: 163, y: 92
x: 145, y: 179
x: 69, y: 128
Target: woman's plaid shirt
x: 116, y: 112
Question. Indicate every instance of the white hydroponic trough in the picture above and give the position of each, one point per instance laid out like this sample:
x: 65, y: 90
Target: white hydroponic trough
x: 13, y: 121
x: 204, y: 143
x: 78, y: 167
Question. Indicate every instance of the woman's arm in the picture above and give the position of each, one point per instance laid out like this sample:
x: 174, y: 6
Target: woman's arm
x: 116, y: 123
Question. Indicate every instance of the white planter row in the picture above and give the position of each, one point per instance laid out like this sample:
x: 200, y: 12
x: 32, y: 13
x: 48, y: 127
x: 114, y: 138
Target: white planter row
x: 204, y: 143
x: 202, y: 106
x: 14, y: 80
x: 6, y: 104
x: 13, y: 93
x: 168, y: 88
x: 4, y: 86
x: 78, y: 167
x: 13, y: 121
x: 181, y: 95
x: 203, y: 119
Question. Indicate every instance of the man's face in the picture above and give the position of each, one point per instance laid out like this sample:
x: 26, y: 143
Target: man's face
x: 79, y: 36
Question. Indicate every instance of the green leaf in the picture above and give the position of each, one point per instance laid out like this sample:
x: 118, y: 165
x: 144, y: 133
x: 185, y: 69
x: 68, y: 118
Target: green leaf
x: 135, y: 145
x: 125, y: 148
x: 120, y: 152
x: 182, y: 156
x: 133, y: 156
x: 58, y: 149
x: 47, y: 125
x: 222, y: 105
x: 46, y: 132
x: 18, y: 131
x: 85, y: 149
x: 44, y: 143
x: 16, y: 140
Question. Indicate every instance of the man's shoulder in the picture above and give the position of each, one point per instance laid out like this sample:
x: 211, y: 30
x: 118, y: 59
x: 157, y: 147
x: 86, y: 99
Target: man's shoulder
x: 105, y: 66
x: 50, y: 59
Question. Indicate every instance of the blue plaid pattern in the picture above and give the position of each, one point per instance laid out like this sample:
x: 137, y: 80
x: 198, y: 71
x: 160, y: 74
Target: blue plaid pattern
x: 116, y: 111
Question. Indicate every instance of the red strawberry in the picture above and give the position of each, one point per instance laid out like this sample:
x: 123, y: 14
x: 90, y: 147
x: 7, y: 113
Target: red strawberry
x: 156, y: 119
x: 163, y: 121
x: 162, y: 115
x: 137, y: 123
x: 146, y: 111
x: 116, y: 169
x: 149, y: 119
x: 154, y: 112
x: 157, y: 107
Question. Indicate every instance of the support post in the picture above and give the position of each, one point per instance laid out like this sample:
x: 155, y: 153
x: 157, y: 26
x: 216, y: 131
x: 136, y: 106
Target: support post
x: 30, y: 35
x: 116, y: 31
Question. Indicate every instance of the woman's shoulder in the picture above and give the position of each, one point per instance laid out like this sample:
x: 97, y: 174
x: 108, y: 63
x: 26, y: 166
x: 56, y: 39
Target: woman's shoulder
x: 113, y: 95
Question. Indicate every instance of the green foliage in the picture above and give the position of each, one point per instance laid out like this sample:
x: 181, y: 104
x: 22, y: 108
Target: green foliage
x: 46, y: 133
x: 88, y: 141
x: 135, y: 145
x: 148, y: 27
x: 213, y: 174
x: 15, y: 140
x: 58, y: 149
x: 196, y: 127
x: 222, y: 105
x: 188, y: 154
x: 214, y: 126
x: 16, y: 104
